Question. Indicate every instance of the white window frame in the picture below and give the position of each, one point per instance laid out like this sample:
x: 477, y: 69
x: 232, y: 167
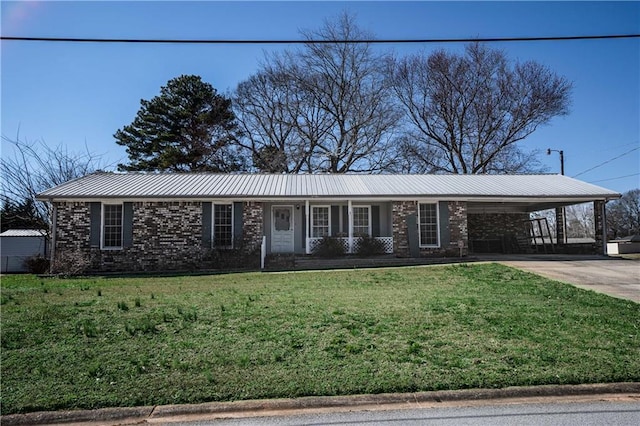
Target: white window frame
x: 437, y: 205
x: 328, y: 207
x: 358, y: 206
x: 103, y: 246
x: 213, y: 226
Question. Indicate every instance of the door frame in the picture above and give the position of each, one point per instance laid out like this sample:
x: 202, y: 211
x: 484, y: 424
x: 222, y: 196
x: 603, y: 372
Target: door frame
x: 291, y: 207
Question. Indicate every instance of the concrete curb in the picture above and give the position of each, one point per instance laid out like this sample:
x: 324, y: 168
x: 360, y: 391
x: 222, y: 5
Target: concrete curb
x: 77, y: 416
x: 312, y: 402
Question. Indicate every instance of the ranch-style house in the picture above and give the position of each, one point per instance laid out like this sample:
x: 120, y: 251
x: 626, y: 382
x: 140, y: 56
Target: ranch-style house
x: 175, y: 221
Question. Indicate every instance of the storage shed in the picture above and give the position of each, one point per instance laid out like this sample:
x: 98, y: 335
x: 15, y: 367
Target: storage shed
x: 624, y: 245
x: 17, y: 245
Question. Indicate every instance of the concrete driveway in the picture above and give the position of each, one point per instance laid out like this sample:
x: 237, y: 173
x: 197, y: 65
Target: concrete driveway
x: 613, y: 276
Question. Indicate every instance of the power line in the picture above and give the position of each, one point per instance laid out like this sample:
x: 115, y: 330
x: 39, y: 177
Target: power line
x: 606, y: 162
x: 292, y: 41
x: 615, y: 178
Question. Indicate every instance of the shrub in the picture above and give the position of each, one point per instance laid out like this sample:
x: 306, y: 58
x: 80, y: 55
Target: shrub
x: 370, y: 246
x: 37, y: 264
x: 329, y: 247
x: 70, y: 263
x: 242, y: 256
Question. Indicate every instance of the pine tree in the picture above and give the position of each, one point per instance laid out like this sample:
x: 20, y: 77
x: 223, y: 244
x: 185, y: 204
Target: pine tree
x: 188, y: 127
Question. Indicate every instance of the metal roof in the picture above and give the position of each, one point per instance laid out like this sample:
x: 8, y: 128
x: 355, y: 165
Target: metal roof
x: 24, y: 233
x: 103, y: 185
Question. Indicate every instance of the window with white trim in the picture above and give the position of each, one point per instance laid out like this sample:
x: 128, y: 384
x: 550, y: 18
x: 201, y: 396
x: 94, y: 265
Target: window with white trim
x: 428, y: 224
x: 112, y: 226
x: 361, y: 220
x: 320, y: 221
x: 223, y: 225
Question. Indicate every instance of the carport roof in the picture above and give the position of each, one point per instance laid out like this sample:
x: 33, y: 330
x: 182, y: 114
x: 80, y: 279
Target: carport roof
x: 495, y: 188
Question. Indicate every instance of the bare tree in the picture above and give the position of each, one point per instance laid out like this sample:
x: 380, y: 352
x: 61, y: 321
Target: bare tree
x: 468, y: 112
x: 277, y: 122
x: 331, y: 104
x: 35, y: 167
x: 623, y: 215
x: 580, y: 221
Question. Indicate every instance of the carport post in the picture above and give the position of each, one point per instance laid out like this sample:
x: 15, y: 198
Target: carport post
x: 604, y: 227
x: 561, y: 226
x: 52, y: 249
x: 600, y: 225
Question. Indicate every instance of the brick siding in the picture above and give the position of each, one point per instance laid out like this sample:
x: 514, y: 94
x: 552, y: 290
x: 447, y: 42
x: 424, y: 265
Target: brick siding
x: 399, y: 211
x: 166, y: 236
x: 497, y: 229
x: 253, y: 224
x: 457, y: 226
x: 598, y: 219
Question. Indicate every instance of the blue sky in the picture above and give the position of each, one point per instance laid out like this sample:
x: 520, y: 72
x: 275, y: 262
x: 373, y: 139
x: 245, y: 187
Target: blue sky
x: 77, y: 94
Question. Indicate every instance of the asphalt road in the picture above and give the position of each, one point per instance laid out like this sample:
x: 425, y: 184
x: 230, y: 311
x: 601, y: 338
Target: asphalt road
x: 621, y: 412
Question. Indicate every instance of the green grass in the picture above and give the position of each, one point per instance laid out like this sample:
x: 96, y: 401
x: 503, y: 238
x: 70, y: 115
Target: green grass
x: 99, y: 342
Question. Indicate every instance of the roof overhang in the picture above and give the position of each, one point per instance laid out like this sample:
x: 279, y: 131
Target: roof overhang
x: 528, y: 204
x: 533, y: 190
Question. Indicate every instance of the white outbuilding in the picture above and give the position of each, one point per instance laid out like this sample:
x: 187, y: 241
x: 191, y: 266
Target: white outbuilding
x: 17, y: 245
x: 624, y: 245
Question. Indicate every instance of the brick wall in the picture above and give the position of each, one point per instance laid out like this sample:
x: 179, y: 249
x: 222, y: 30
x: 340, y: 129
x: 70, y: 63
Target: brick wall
x: 253, y: 223
x: 458, y: 225
x: 491, y: 229
x: 166, y: 236
x: 598, y: 220
x: 73, y: 226
x: 399, y: 211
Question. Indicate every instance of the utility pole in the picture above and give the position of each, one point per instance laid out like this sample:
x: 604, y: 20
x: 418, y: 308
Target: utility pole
x: 561, y: 228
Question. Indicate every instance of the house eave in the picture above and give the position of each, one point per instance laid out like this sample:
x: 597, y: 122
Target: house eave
x: 550, y: 201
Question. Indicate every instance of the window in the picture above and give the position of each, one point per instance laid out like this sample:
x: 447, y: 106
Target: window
x: 112, y: 225
x: 428, y: 224
x: 223, y: 225
x: 320, y: 219
x: 361, y: 220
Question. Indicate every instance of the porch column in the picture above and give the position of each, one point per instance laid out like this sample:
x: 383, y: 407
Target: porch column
x: 306, y: 227
x: 350, y: 214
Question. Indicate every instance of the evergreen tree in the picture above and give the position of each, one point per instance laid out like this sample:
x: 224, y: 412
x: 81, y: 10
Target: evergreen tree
x: 188, y: 127
x: 20, y: 215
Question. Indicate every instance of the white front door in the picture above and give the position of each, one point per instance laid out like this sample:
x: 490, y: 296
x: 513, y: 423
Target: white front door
x: 282, y: 229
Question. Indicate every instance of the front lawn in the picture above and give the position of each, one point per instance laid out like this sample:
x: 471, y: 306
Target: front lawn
x: 100, y: 342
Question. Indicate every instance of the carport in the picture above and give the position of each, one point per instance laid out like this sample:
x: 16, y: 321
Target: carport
x: 512, y: 227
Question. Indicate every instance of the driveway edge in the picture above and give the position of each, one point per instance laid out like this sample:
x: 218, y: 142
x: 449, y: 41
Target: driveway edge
x: 311, y: 402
